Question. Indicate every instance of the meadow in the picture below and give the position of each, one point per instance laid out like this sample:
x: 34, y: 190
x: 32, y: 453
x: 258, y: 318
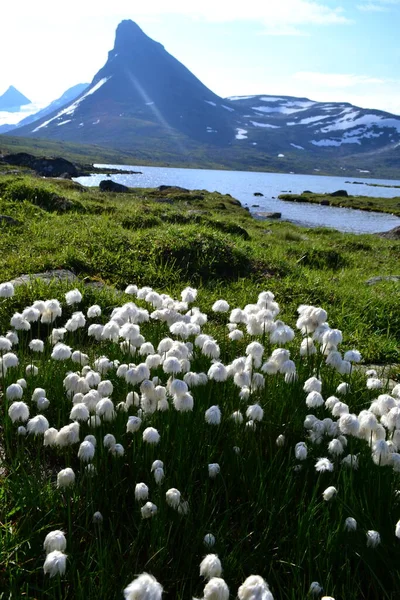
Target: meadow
x: 197, y: 395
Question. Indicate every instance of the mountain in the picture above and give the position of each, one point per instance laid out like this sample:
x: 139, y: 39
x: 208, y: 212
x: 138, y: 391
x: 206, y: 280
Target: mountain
x: 67, y: 96
x: 12, y: 100
x: 145, y: 101
x: 141, y: 91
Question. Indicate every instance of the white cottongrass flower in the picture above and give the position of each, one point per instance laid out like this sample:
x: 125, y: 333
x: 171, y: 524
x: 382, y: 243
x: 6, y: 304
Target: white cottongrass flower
x: 31, y: 370
x: 255, y: 588
x: 97, y: 518
x: 19, y: 323
x: 300, y: 451
x: 211, y: 349
x: 373, y: 538
x: 159, y: 475
x: 280, y: 440
x: 148, y: 510
x: 93, y: 311
x: 151, y: 435
x: 38, y: 425
x: 315, y: 588
x: 86, y: 451
x: 18, y: 411
x: 217, y: 372
x: 210, y: 566
x: 173, y: 497
x: 237, y: 417
x: 254, y: 412
x: 312, y: 385
x: 36, y: 345
x: 216, y: 589
x: 209, y: 540
x: 14, y: 392
x: 65, y: 478
x: 314, y: 400
x: 236, y: 335
x: 335, y: 447
x: 172, y: 365
x: 61, y: 352
x: 213, y: 470
x: 117, y: 450
x: 73, y: 297
x: 109, y: 441
x: 6, y: 290
x: 43, y: 403
x: 323, y: 464
x: 373, y: 383
x: 189, y: 295
x: 349, y: 424
x: 133, y: 424
x: 141, y: 492
x: 329, y: 493
x: 55, y: 540
x: 50, y: 437
x: 350, y: 524
x: 79, y: 412
x: 220, y: 306
x: 55, y: 563
x: 105, y: 409
x: 21, y: 430
x: 352, y: 356
x: 213, y: 415
x: 145, y: 586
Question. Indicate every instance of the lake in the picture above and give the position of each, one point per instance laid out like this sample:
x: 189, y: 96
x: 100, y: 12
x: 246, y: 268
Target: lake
x: 243, y: 184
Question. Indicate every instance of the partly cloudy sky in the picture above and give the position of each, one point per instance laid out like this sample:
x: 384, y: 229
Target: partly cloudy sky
x: 328, y: 50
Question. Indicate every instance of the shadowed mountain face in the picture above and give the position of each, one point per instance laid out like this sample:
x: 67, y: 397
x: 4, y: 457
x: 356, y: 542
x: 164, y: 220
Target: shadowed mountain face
x: 12, y: 100
x: 141, y: 90
x: 145, y: 101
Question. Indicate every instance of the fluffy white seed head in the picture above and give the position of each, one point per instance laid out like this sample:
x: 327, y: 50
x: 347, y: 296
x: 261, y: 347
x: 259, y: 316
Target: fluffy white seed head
x: 255, y: 588
x: 55, y: 563
x: 55, y: 540
x: 144, y: 587
x: 141, y: 492
x: 65, y: 478
x: 210, y: 566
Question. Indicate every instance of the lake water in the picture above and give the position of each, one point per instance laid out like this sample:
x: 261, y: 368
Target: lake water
x: 243, y: 184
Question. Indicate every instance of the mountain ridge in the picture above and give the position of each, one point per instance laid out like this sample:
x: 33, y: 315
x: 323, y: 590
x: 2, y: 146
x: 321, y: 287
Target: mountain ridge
x: 145, y: 100
x: 12, y: 100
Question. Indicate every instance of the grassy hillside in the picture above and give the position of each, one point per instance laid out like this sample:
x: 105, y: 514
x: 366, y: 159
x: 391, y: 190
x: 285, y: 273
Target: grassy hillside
x: 155, y: 151
x: 139, y: 433
x: 172, y: 238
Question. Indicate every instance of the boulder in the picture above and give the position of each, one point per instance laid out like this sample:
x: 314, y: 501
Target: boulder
x: 108, y: 185
x: 340, y: 193
x: 268, y: 215
x: 171, y: 188
x: 325, y: 203
x: 379, y: 278
x: 392, y: 234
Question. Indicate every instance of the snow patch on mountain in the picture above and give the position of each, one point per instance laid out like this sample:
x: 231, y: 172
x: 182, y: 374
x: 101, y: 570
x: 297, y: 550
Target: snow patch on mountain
x: 228, y: 108
x: 257, y: 124
x: 285, y: 110
x: 210, y: 102
x: 241, y: 134
x: 297, y: 147
x: 69, y: 110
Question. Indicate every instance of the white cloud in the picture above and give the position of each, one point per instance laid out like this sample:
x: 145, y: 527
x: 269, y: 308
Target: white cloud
x: 378, y: 5
x: 273, y: 14
x: 335, y: 80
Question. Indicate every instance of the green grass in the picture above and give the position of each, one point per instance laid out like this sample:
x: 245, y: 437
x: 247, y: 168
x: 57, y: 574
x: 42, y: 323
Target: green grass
x: 205, y: 239
x: 386, y: 205
x: 265, y: 508
x: 267, y: 515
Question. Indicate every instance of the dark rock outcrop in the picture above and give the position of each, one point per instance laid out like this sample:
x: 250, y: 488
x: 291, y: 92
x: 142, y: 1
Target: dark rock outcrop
x: 108, y: 185
x: 46, y: 167
x: 339, y: 193
x: 6, y: 220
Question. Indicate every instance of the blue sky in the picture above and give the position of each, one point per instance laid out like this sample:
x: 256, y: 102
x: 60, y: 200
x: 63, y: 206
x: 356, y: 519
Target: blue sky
x: 326, y: 50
